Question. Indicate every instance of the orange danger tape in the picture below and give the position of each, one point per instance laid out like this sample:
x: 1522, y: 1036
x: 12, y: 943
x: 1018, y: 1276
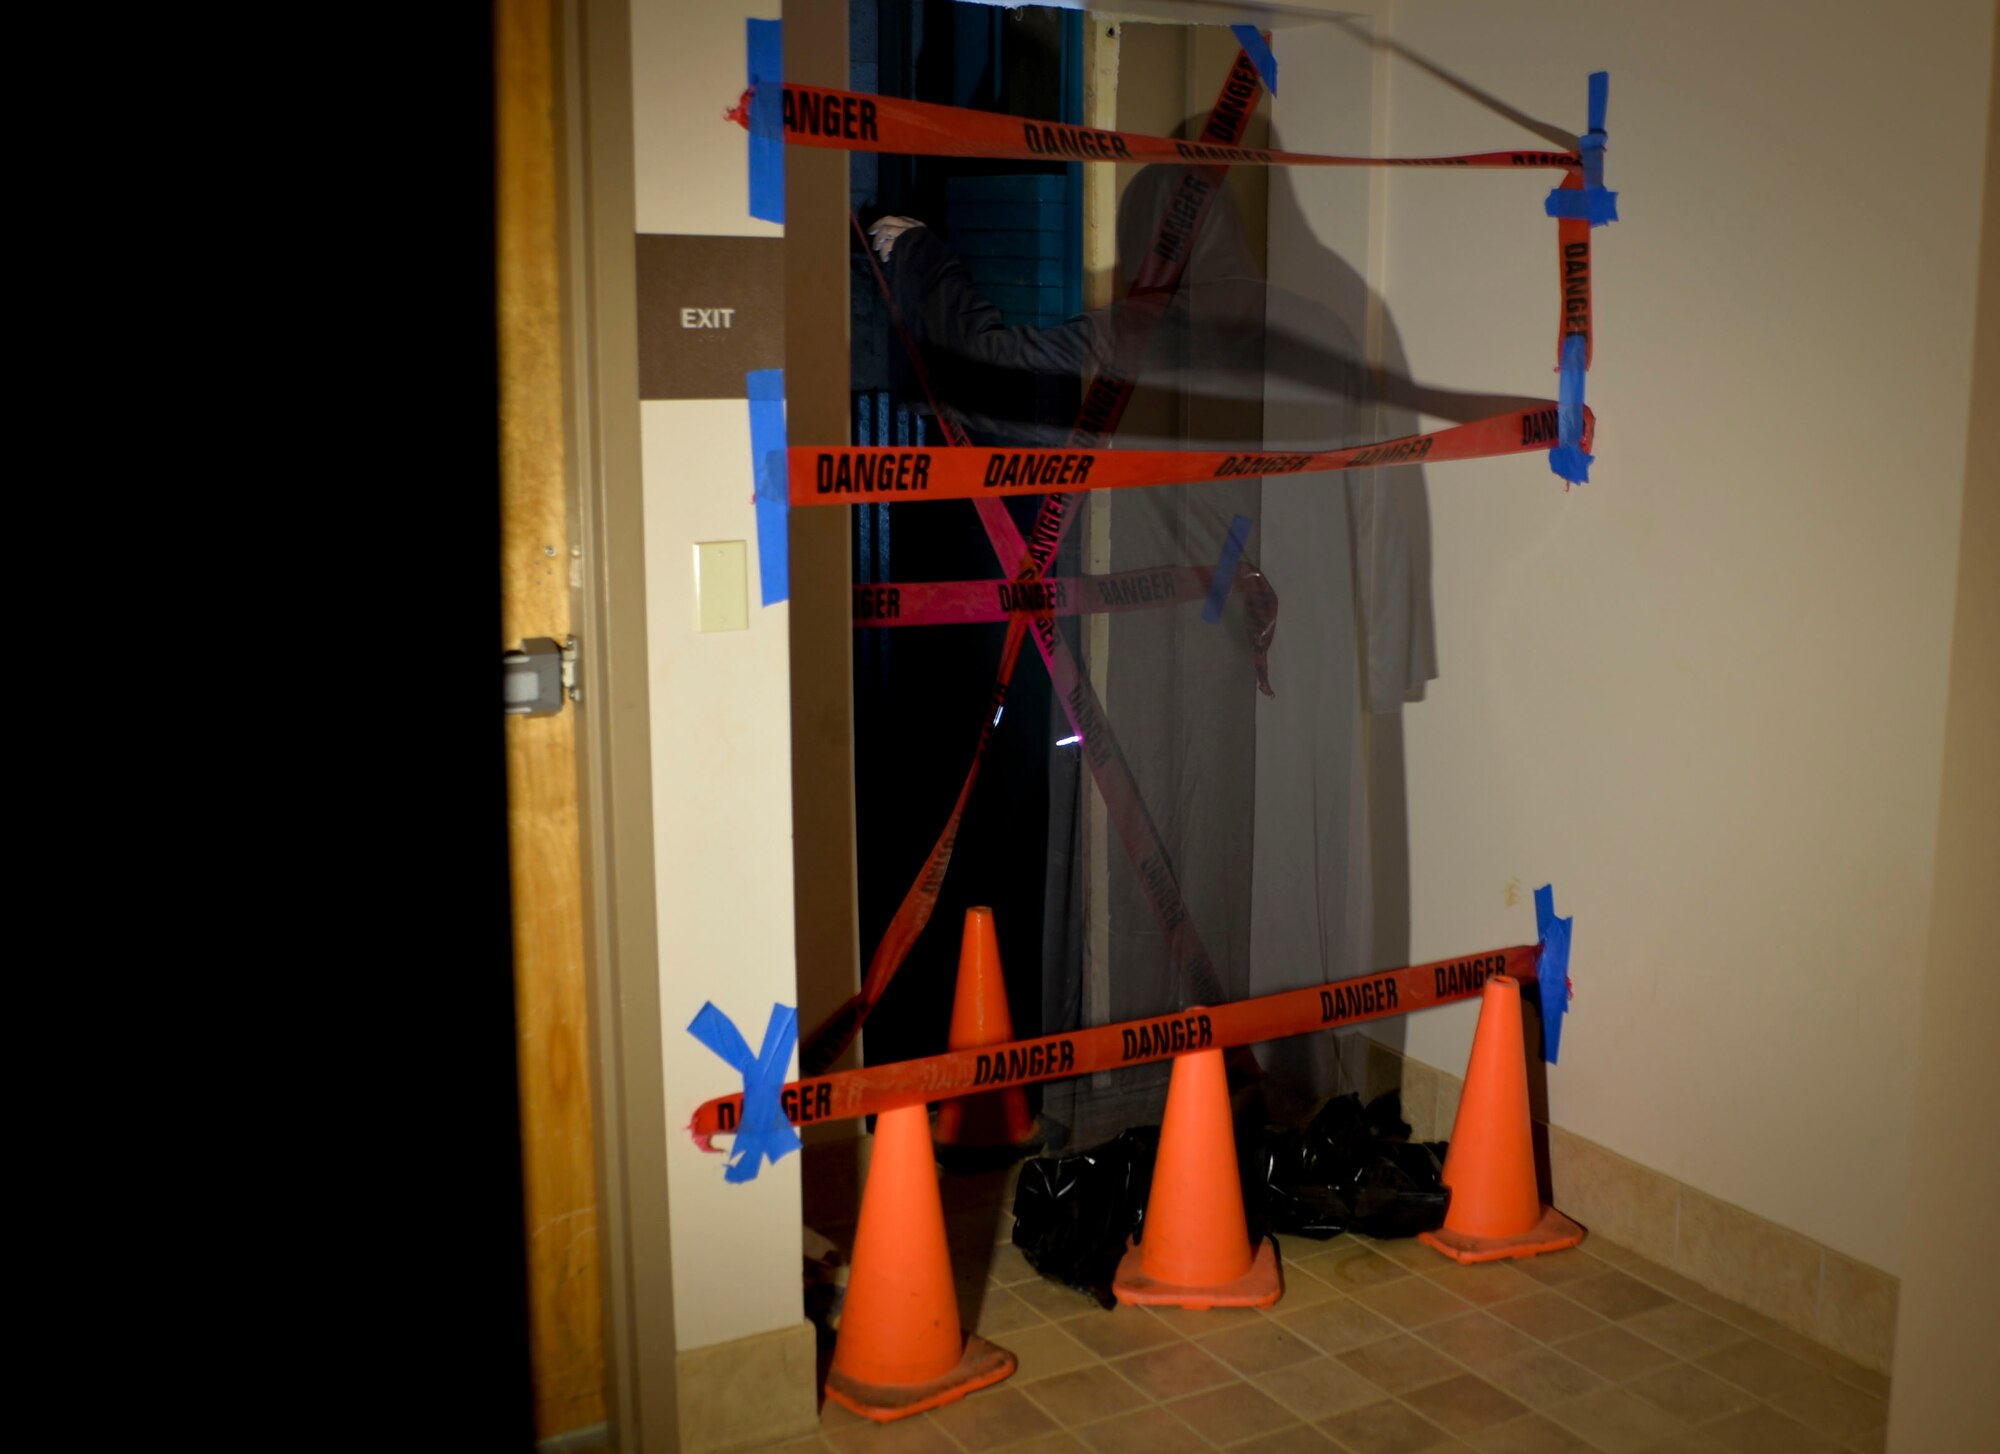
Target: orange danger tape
x: 880, y: 1088
x: 892, y: 475
x: 821, y: 116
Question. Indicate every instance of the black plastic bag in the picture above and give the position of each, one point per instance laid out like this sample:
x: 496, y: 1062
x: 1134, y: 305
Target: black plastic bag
x: 1074, y: 1214
x: 1349, y: 1170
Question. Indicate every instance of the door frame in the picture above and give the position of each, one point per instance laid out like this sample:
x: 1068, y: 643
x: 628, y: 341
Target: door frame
x: 621, y: 942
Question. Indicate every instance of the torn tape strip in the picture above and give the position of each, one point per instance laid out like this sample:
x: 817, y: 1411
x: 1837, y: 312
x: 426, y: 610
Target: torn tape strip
x: 821, y: 116
x: 1103, y: 406
x: 1225, y: 568
x: 1552, y: 969
x: 763, y: 116
x: 1258, y: 48
x: 1133, y: 1042
x: 766, y: 392
x: 766, y: 1133
x: 1569, y: 458
x: 900, y: 476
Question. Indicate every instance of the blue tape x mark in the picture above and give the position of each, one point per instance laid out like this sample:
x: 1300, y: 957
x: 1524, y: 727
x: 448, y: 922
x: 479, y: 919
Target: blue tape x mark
x: 1225, y: 569
x: 1259, y: 50
x: 1552, y: 969
x: 763, y: 1134
x: 1567, y: 458
x: 1591, y: 202
x: 767, y: 119
x: 765, y: 389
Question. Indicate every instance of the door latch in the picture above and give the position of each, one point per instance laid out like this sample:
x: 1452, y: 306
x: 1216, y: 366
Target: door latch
x: 537, y: 679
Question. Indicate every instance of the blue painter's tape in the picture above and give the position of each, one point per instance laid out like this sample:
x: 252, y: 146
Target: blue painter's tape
x: 1567, y: 458
x: 1593, y: 204
x: 762, y: 1133
x: 1225, y: 568
x: 1590, y: 202
x: 1552, y: 969
x: 1254, y: 46
x: 767, y: 119
x: 766, y: 390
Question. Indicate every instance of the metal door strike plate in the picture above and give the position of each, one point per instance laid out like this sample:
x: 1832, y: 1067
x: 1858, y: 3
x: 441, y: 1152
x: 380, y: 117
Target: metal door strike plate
x: 537, y: 679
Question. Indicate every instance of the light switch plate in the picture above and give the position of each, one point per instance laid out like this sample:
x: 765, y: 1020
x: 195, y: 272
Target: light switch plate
x: 721, y: 585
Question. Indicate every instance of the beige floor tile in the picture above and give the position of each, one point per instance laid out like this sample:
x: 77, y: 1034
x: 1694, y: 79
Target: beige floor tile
x: 1009, y: 1266
x: 1828, y: 1406
x: 1045, y: 1350
x: 1762, y: 1430
x: 1150, y: 1430
x: 1543, y: 1377
x: 1230, y: 1413
x: 1411, y: 1301
x: 811, y: 1444
x: 1684, y: 1331
x: 1302, y: 1288
x: 1553, y: 1269
x: 1177, y: 1368
x: 1646, y: 1270
x: 1615, y: 1421
x: 1875, y: 1441
x: 1547, y: 1315
x: 1387, y: 1427
x: 1531, y: 1435
x: 1318, y: 1388
x: 1054, y: 1301
x: 1687, y: 1441
x: 1821, y: 1356
x: 1399, y: 1363
x: 1614, y: 1295
x: 1616, y: 1254
x: 1613, y: 1353
x: 1196, y: 1322
x: 1084, y: 1393
x: 1464, y: 1404
x: 1692, y: 1395
x: 1298, y: 1439
x: 1480, y: 1283
x: 1476, y: 1340
x: 1403, y: 1251
x: 993, y: 1418
x: 1757, y: 1366
x: 1353, y: 1266
x: 1001, y: 1312
x: 1114, y: 1334
x: 1062, y: 1441
x: 1334, y: 1327
x: 918, y: 1435
x: 1258, y: 1347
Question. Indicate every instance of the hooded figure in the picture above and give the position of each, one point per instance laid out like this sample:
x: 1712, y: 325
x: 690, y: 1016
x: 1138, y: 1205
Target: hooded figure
x: 1263, y: 803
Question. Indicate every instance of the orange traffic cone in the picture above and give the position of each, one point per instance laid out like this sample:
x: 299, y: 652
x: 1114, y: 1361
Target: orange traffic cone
x: 1194, y: 1248
x: 1496, y: 1208
x: 900, y: 1349
x: 979, y: 1017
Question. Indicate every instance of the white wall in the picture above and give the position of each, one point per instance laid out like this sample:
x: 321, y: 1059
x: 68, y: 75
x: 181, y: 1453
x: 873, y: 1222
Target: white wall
x: 720, y: 708
x: 1704, y: 694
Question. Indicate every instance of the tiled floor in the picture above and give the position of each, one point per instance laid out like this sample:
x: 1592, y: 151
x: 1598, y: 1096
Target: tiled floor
x: 1375, y: 1348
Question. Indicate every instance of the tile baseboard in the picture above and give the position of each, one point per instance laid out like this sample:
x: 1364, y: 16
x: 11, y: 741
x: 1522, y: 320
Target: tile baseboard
x: 749, y: 1393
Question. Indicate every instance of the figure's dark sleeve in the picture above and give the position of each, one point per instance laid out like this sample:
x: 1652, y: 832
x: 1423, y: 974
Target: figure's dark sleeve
x: 981, y: 366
